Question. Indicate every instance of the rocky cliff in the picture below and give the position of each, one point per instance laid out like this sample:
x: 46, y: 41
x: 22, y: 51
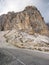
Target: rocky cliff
x: 30, y: 20
x: 48, y: 25
x: 24, y: 40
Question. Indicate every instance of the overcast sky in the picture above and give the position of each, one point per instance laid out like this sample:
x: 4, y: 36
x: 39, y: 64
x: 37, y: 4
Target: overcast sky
x: 19, y: 5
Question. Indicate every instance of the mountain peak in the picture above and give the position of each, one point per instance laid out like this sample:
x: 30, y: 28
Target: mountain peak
x: 30, y: 7
x: 30, y: 20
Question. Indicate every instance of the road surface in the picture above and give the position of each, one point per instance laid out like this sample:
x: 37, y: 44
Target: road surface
x: 23, y: 57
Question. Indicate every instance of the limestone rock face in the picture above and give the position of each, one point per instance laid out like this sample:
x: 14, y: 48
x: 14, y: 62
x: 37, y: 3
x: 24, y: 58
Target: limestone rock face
x: 29, y: 20
x: 24, y: 40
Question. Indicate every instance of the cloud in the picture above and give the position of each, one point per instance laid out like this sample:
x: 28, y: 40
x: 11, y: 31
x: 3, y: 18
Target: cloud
x: 13, y: 5
x: 16, y: 5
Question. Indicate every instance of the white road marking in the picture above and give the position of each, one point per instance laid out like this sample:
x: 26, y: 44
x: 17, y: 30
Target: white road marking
x: 21, y: 61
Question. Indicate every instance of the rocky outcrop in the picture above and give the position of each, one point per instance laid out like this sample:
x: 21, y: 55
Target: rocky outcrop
x: 48, y: 25
x: 24, y: 40
x: 29, y: 20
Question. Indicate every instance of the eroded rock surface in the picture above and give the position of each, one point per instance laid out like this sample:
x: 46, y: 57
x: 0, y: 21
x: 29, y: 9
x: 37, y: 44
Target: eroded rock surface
x: 24, y: 40
x: 30, y: 20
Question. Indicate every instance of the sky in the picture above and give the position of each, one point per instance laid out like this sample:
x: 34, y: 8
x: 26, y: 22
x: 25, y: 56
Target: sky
x: 19, y: 5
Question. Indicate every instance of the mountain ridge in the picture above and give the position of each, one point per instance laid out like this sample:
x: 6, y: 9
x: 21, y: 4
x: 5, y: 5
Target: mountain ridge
x: 29, y: 20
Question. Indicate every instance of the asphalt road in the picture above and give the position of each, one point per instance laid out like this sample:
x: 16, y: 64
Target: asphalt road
x: 22, y: 57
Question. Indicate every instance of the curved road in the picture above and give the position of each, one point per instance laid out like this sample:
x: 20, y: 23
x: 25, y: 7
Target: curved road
x: 25, y: 57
